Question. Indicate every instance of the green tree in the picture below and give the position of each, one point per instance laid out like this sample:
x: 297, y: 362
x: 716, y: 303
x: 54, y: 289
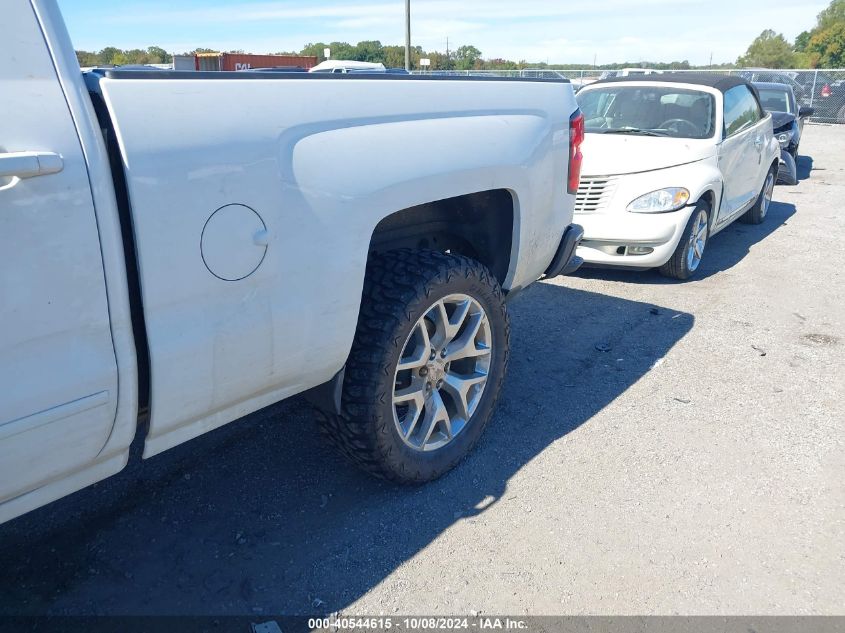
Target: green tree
x: 135, y: 56
x: 768, y: 50
x: 315, y: 50
x: 87, y: 58
x: 371, y: 51
x: 158, y: 55
x: 834, y: 14
x: 466, y: 57
x: 342, y: 50
x: 106, y: 56
x: 120, y: 59
x: 801, y: 41
x: 339, y: 50
x: 826, y: 48
x: 394, y: 56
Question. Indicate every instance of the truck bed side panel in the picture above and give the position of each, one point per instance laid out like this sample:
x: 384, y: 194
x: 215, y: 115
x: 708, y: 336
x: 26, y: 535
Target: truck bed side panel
x: 253, y: 204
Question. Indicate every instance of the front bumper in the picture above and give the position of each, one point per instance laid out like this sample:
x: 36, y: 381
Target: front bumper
x: 639, y: 240
x: 566, y: 260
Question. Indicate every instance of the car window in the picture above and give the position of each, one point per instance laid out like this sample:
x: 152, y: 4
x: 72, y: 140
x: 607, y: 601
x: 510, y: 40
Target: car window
x: 648, y: 110
x: 820, y: 79
x: 774, y: 100
x: 741, y: 110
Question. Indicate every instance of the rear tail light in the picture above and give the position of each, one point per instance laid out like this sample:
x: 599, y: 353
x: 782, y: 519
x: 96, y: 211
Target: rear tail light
x: 576, y: 137
x: 826, y: 91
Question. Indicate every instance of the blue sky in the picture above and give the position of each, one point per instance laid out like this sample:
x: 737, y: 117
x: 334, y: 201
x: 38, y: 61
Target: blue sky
x: 564, y: 31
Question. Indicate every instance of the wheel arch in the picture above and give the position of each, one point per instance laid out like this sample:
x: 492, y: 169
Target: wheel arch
x: 709, y: 196
x: 712, y: 198
x: 482, y: 225
x: 479, y: 225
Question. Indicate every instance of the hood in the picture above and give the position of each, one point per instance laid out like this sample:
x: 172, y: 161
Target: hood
x: 617, y: 154
x: 781, y: 119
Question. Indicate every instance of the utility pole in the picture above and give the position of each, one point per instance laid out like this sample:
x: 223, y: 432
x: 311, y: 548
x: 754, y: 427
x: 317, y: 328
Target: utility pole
x: 408, y: 35
x: 448, y: 60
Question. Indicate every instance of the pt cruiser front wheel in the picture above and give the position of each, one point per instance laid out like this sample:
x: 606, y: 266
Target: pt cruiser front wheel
x: 426, y: 366
x: 690, y: 250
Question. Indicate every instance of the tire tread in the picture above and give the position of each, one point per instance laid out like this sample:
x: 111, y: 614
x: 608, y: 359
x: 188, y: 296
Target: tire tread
x: 394, y: 281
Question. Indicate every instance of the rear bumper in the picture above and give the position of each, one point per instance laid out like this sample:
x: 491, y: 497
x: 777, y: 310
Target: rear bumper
x: 566, y: 261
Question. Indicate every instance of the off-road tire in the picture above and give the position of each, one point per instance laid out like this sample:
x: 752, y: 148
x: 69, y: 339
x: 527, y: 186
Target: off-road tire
x: 399, y: 288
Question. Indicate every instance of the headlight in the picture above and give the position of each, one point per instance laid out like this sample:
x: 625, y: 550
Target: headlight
x: 669, y: 199
x: 784, y: 138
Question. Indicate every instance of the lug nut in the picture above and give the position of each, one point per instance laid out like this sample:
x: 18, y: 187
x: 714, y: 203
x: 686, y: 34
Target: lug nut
x: 443, y: 354
x: 424, y: 371
x: 439, y: 384
x: 433, y: 355
x: 428, y: 386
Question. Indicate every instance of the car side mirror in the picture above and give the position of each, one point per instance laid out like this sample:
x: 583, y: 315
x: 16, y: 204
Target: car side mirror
x: 806, y: 111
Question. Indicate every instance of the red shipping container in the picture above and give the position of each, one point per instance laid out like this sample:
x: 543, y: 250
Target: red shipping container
x: 245, y: 61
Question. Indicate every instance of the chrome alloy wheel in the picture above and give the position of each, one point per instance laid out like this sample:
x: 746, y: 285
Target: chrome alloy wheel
x: 442, y: 372
x: 697, y: 241
x: 768, y: 192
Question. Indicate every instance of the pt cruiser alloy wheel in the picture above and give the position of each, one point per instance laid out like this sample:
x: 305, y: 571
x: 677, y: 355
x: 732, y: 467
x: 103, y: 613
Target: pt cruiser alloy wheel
x: 426, y: 366
x: 690, y: 250
x: 697, y: 241
x: 757, y: 213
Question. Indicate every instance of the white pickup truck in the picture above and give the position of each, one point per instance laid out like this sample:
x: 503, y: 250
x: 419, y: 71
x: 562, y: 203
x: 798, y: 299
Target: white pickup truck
x: 179, y: 249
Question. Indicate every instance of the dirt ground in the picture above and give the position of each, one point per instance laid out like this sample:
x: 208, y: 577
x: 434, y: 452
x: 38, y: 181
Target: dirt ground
x: 696, y: 467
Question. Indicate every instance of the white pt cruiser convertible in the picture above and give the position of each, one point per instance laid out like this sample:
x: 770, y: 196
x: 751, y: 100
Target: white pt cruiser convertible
x: 668, y: 162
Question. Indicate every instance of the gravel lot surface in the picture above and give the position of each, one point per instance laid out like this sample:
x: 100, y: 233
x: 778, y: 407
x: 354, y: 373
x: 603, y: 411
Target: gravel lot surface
x: 696, y: 467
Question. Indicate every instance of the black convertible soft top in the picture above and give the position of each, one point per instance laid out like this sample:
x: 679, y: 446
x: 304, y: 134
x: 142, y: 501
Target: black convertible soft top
x: 722, y: 83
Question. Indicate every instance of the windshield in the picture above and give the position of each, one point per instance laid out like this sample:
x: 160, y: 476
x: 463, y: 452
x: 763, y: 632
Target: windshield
x: 774, y: 100
x: 648, y: 111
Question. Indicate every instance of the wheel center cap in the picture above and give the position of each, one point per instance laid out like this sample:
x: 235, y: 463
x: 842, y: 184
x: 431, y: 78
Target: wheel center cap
x: 436, y: 371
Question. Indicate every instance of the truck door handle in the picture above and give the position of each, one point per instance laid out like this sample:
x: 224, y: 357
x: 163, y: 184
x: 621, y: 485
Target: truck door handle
x: 29, y: 164
x: 758, y: 143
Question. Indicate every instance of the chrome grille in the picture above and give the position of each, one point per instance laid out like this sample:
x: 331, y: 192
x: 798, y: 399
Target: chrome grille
x: 594, y: 194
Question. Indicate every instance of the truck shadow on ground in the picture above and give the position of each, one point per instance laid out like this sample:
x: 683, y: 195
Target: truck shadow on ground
x: 724, y: 250
x: 261, y: 518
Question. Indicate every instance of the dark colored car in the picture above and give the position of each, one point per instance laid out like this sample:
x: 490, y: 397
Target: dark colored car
x: 788, y: 122
x: 817, y: 89
x: 788, y: 115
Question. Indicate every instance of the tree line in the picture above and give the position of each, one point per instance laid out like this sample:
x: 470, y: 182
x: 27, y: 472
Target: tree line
x: 465, y: 57
x: 113, y: 56
x: 821, y: 47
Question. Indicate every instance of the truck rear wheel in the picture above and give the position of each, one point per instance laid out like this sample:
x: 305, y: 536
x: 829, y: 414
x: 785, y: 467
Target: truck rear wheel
x: 426, y: 366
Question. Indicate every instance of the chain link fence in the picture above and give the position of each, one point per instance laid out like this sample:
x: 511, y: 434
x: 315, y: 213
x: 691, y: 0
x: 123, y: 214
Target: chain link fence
x: 822, y: 90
